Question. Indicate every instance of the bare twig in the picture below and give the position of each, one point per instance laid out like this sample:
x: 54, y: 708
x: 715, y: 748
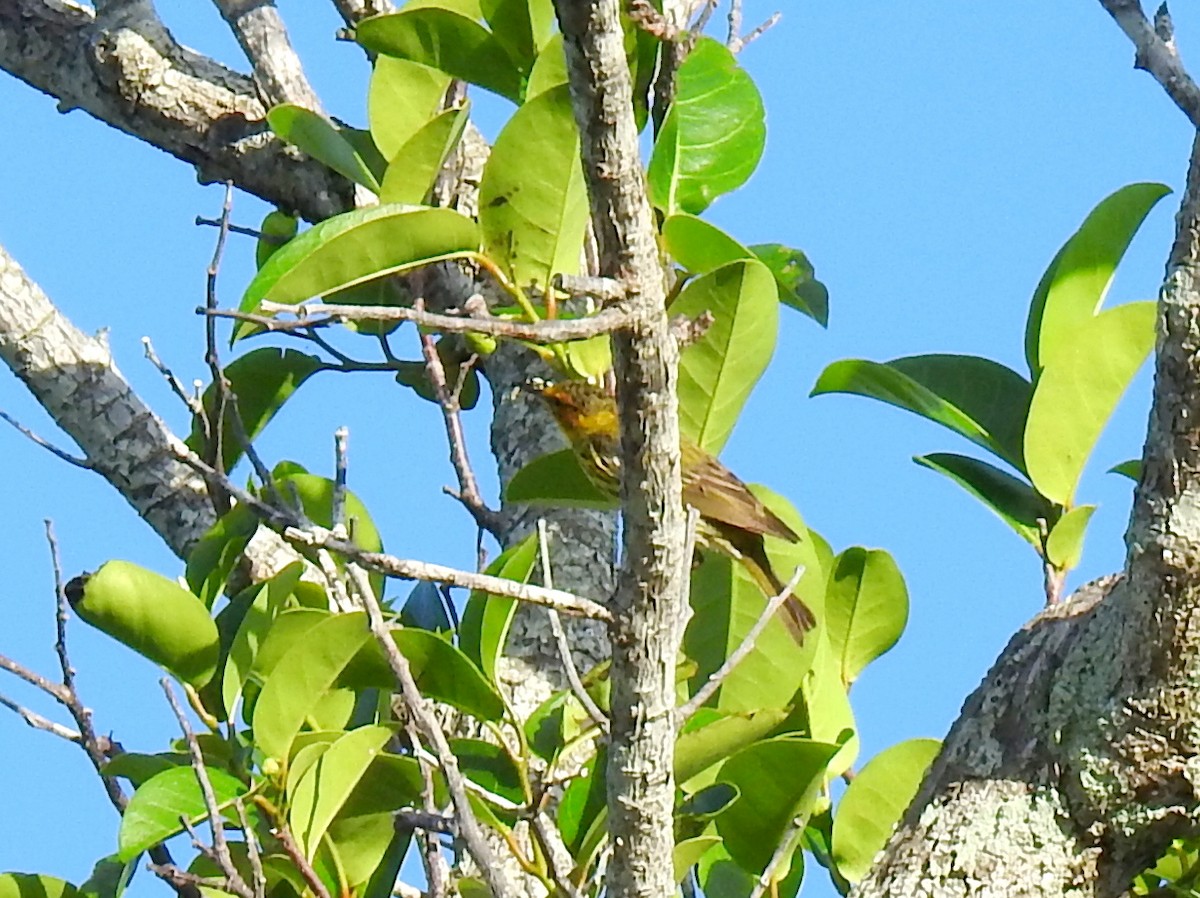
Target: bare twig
x: 253, y: 849
x: 341, y: 440
x: 560, y: 637
x: 201, y: 221
x: 224, y: 859
x: 448, y: 400
x: 1156, y: 55
x: 759, y: 30
x: 46, y: 444
x: 468, y: 826
x: 605, y: 291
x: 782, y: 851
x: 436, y: 873
x: 314, y: 315
x: 733, y: 38
x: 288, y: 842
x: 38, y: 722
x: 54, y: 690
x: 705, y: 692
x: 554, y: 848
x: 389, y: 565
x: 193, y: 404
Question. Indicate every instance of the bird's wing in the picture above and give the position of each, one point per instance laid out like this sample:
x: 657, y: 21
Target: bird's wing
x: 717, y: 494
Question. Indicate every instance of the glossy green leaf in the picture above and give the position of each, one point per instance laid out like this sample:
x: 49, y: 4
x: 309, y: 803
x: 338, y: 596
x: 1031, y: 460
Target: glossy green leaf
x: 718, y: 371
x: 713, y: 134
x: 874, y: 801
x: 866, y: 608
x: 977, y: 398
x: 1013, y: 500
x: 329, y: 782
x: 796, y: 279
x: 1074, y: 286
x: 557, y: 479
x: 490, y: 766
x: 521, y: 27
x: 403, y: 97
x: 413, y: 169
x: 486, y: 618
x: 443, y: 673
x: 154, y: 810
x: 277, y: 228
x: 302, y: 677
x: 583, y: 805
x: 216, y: 554
x: 549, y: 69
x: 699, y: 748
x: 1077, y: 392
x: 1131, y: 469
x: 824, y: 712
x: 320, y: 138
x: 1064, y: 546
x: 688, y: 853
x: 35, y: 885
x: 778, y: 780
x: 726, y: 603
x: 260, y: 382
x: 109, y: 878
x: 358, y: 246
x: 445, y: 40
x: 533, y: 205
x: 252, y: 632
x: 289, y: 628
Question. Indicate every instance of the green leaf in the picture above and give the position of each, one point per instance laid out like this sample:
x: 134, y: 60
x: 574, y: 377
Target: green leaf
x: 302, y: 677
x: 139, y: 768
x: 34, y: 885
x: 289, y: 628
x: 1131, y: 469
x: 718, y: 371
x: 688, y: 853
x: 261, y: 382
x: 329, y: 782
x: 358, y: 246
x: 977, y: 398
x: 726, y: 603
x: 1077, y: 392
x: 320, y: 138
x: 252, y: 632
x: 699, y: 748
x: 520, y: 27
x: 403, y: 97
x: 277, y: 228
x: 588, y: 359
x: 456, y: 361
x: 866, y: 608
x: 584, y: 804
x: 1017, y: 503
x: 413, y: 169
x: 557, y: 479
x: 796, y: 279
x: 874, y: 801
x: 713, y: 134
x: 154, y: 810
x: 425, y: 609
x: 109, y: 878
x: 1064, y: 546
x: 549, y: 69
x: 443, y: 673
x: 824, y: 713
x: 216, y: 554
x: 490, y: 766
x: 1074, y: 286
x: 778, y: 780
x: 533, y: 205
x: 486, y: 618
x: 445, y: 40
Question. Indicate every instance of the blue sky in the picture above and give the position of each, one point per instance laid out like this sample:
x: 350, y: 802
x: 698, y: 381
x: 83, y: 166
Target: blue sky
x: 930, y: 158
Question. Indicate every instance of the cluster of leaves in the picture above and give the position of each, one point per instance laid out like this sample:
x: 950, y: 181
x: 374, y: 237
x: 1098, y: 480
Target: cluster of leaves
x: 302, y: 735
x: 1043, y: 426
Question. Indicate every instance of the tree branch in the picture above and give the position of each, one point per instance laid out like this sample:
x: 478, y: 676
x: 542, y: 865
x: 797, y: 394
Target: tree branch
x: 1156, y: 55
x: 278, y: 73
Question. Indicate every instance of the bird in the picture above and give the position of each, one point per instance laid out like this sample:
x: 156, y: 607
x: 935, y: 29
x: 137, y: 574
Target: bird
x: 732, y: 520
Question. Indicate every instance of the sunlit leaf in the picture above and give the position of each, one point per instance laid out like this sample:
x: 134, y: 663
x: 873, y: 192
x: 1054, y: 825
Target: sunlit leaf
x: 549, y: 69
x: 1017, y: 503
x: 320, y: 138
x: 1064, y: 546
x: 698, y: 748
x: 402, y: 99
x: 713, y: 134
x: 35, y: 885
x: 874, y: 801
x: 866, y: 608
x: 718, y: 371
x: 154, y: 810
x: 486, y: 618
x: 796, y: 279
x: 1077, y: 392
x: 413, y: 169
x: 688, y: 853
x: 521, y: 27
x: 277, y: 228
x: 1131, y: 469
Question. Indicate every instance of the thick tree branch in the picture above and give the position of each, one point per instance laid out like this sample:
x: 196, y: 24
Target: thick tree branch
x: 123, y: 67
x: 651, y: 596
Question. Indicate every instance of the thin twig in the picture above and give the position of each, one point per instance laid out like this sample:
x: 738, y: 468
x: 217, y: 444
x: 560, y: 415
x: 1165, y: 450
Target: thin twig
x: 288, y: 842
x: 448, y: 400
x: 278, y: 73
x: 738, y: 655
x: 416, y: 705
x: 341, y: 440
x: 213, y: 422
x: 314, y: 315
x: 193, y: 405
x: 1157, y: 56
x: 560, y: 637
x: 782, y: 851
x: 54, y: 690
x: 240, y: 229
x: 38, y: 722
x: 46, y: 444
x: 546, y: 835
x: 224, y: 859
x: 436, y: 873
x: 253, y: 849
x: 771, y: 21
x: 733, y: 39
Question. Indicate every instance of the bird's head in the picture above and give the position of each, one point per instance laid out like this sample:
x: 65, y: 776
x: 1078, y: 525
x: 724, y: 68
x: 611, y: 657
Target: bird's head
x: 582, y: 410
